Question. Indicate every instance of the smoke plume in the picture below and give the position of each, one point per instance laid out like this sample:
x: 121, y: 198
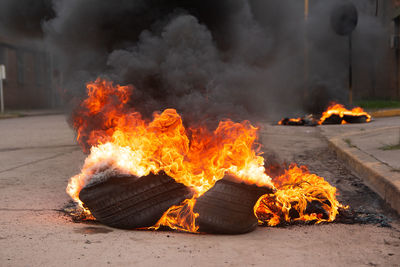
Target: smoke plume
x: 243, y: 59
x: 23, y: 19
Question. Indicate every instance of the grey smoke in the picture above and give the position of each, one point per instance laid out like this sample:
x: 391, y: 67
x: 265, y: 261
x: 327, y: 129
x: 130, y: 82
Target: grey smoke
x: 208, y: 59
x: 23, y: 18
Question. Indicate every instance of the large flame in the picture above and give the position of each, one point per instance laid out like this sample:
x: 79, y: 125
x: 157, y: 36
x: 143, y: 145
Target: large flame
x: 340, y: 110
x: 121, y: 141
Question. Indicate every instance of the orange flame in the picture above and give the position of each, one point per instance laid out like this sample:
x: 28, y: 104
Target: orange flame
x: 340, y: 110
x: 121, y: 141
x: 180, y: 217
x: 300, y: 196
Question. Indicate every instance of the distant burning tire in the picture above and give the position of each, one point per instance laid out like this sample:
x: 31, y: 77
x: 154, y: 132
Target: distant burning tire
x: 131, y: 202
x: 227, y: 208
x: 355, y: 119
x: 333, y: 119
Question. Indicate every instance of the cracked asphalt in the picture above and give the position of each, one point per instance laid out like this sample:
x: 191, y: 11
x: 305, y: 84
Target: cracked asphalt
x: 39, y: 154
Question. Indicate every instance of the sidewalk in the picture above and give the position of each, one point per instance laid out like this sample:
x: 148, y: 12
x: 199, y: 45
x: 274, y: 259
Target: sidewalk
x: 389, y: 112
x: 372, y: 151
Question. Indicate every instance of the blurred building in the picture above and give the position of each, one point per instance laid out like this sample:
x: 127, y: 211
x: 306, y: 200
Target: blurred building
x: 376, y: 73
x: 395, y: 42
x: 33, y: 80
x: 375, y: 50
x: 30, y: 82
x: 385, y: 75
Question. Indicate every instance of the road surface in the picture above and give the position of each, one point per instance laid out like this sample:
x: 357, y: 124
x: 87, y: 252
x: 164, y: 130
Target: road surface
x: 39, y: 154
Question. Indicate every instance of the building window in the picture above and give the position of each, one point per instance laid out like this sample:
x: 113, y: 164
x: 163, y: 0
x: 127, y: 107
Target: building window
x: 20, y: 67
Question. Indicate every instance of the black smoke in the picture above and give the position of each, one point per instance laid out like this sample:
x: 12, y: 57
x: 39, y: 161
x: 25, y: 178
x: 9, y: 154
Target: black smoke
x: 243, y: 59
x: 24, y: 18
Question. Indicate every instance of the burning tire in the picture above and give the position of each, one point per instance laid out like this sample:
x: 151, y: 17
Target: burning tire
x: 355, y: 119
x: 227, y: 208
x: 131, y: 202
x: 333, y: 119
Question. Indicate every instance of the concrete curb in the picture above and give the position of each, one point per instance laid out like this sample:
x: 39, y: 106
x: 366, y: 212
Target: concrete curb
x: 378, y: 176
x: 30, y: 113
x: 385, y: 113
x: 33, y: 113
x: 9, y: 116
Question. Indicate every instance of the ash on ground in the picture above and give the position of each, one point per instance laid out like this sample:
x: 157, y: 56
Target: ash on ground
x: 365, y: 206
x: 76, y: 213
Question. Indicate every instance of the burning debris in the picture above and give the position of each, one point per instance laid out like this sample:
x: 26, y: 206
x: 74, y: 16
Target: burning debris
x: 151, y: 174
x: 334, y: 114
x: 300, y: 196
x: 292, y: 121
x: 308, y: 120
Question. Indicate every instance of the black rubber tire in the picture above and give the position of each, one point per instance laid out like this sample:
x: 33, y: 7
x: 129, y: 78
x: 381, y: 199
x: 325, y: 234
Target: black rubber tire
x: 131, y: 202
x: 355, y: 119
x: 227, y: 208
x: 333, y: 119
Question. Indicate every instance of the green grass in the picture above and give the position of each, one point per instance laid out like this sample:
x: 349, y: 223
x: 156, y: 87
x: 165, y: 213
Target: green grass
x: 10, y: 115
x: 378, y: 104
x: 390, y: 147
x: 348, y: 142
